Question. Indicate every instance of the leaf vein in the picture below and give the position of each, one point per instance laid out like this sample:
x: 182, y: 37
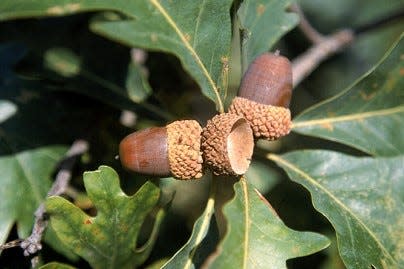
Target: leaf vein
x: 313, y: 182
x: 358, y: 116
x: 199, y: 62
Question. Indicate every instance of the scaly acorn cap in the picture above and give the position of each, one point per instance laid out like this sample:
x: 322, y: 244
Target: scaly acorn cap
x: 227, y: 144
x: 268, y: 122
x: 164, y: 151
x: 264, y: 96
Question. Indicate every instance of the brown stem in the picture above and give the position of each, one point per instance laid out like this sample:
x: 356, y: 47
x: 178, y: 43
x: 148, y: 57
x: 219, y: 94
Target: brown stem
x: 304, y: 25
x: 32, y: 244
x: 306, y: 63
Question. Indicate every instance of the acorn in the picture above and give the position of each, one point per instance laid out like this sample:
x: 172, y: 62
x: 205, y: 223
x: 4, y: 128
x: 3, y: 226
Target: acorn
x: 227, y: 144
x: 264, y: 96
x: 173, y: 150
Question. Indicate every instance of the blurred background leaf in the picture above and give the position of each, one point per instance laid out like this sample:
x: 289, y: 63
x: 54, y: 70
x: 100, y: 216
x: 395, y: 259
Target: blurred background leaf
x: 262, y: 176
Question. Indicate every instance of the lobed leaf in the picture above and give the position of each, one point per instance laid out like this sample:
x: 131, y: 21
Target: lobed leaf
x: 362, y: 198
x: 262, y: 24
x: 197, y: 32
x: 369, y: 115
x: 107, y: 240
x: 257, y: 238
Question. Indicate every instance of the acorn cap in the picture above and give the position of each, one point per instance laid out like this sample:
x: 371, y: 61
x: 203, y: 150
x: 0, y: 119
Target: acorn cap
x: 268, y: 80
x: 184, y: 149
x: 164, y: 151
x: 268, y: 122
x: 227, y: 144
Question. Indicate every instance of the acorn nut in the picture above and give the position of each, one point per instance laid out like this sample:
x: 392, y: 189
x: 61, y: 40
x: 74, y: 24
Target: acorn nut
x: 163, y: 151
x: 227, y: 144
x: 264, y: 96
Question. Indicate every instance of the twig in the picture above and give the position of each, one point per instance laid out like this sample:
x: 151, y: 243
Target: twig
x: 326, y: 46
x: 323, y: 47
x: 11, y: 244
x: 306, y: 63
x: 32, y: 244
x: 309, y: 31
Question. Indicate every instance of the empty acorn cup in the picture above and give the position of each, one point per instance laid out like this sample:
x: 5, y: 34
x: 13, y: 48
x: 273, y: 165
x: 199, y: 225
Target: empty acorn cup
x: 173, y: 150
x: 264, y: 96
x: 227, y: 144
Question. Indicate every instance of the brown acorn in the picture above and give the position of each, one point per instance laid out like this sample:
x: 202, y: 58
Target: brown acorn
x: 264, y: 96
x: 227, y: 144
x: 173, y: 150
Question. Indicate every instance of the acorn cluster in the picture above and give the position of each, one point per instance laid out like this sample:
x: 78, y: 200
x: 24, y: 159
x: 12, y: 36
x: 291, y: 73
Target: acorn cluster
x: 225, y: 145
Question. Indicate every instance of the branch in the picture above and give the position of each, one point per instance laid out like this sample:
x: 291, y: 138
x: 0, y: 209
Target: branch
x: 305, y: 64
x: 304, y: 25
x: 32, y: 244
x: 326, y: 46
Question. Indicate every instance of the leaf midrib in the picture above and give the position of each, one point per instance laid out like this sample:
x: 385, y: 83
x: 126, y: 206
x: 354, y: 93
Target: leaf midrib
x: 246, y: 222
x: 188, y: 46
x: 204, y: 225
x: 312, y: 181
x: 351, y: 117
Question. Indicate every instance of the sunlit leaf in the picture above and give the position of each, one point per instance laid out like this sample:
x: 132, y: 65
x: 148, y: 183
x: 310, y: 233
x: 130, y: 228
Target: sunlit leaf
x: 107, y: 240
x: 362, y: 198
x: 257, y: 238
x: 369, y: 115
x: 197, y: 32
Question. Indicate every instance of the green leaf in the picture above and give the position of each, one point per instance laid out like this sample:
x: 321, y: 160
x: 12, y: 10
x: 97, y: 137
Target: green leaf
x: 56, y: 265
x: 137, y: 86
x: 197, y: 32
x: 362, y: 198
x: 63, y: 61
x: 368, y: 115
x: 25, y: 180
x: 257, y: 238
x: 200, y: 244
x: 261, y: 176
x: 109, y: 239
x: 263, y: 23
